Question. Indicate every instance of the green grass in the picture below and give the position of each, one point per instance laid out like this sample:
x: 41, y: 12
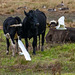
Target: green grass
x: 64, y: 54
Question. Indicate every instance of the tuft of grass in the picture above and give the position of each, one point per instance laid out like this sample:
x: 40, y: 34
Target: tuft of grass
x: 21, y: 61
x: 12, y: 10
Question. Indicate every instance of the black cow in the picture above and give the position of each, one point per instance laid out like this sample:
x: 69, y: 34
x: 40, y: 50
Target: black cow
x: 33, y: 25
x: 11, y: 32
x: 70, y: 37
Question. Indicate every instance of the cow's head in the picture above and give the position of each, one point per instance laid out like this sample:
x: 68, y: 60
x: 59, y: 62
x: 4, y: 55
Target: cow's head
x: 32, y: 18
x: 53, y: 24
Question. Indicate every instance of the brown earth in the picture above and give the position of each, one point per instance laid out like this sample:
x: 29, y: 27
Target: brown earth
x: 16, y: 8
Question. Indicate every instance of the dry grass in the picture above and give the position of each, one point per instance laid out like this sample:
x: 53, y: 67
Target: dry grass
x: 6, y: 6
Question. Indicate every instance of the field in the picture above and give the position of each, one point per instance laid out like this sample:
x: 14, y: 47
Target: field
x: 60, y: 57
x: 63, y: 55
x: 9, y: 7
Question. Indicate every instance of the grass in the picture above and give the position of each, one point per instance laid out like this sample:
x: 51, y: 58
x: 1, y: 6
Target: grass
x: 7, y: 6
x: 64, y: 54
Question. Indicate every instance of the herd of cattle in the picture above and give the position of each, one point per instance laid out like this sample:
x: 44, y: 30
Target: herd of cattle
x: 33, y: 25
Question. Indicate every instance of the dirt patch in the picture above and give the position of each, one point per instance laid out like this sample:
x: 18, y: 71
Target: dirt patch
x: 1, y: 27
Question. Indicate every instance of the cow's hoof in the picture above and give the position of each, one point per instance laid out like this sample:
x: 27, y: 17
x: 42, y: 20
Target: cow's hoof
x: 17, y: 53
x: 34, y: 53
x: 7, y: 52
x: 42, y: 50
x: 13, y: 54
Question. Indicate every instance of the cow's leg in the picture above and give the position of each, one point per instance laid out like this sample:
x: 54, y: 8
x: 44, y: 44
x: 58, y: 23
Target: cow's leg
x: 17, y: 46
x: 34, y: 44
x: 8, y: 44
x: 26, y: 41
x: 13, y: 44
x: 42, y: 48
x: 39, y: 41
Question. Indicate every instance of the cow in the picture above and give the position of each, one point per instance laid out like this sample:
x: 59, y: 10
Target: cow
x: 70, y: 37
x: 53, y: 24
x: 11, y: 32
x: 61, y: 36
x: 34, y: 24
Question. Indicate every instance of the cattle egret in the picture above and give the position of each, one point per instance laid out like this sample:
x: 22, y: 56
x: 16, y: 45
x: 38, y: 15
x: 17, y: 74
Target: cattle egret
x: 61, y: 24
x: 26, y: 54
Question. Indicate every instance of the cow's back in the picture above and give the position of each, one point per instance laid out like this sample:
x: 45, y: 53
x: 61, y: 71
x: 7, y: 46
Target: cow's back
x: 5, y: 24
x: 42, y: 21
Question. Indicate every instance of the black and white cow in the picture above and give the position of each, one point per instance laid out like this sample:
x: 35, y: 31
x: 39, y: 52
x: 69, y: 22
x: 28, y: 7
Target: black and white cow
x: 33, y: 25
x: 52, y: 24
x: 11, y: 32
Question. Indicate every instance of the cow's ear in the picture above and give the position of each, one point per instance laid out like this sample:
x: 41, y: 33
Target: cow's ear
x: 57, y: 24
x: 25, y: 13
